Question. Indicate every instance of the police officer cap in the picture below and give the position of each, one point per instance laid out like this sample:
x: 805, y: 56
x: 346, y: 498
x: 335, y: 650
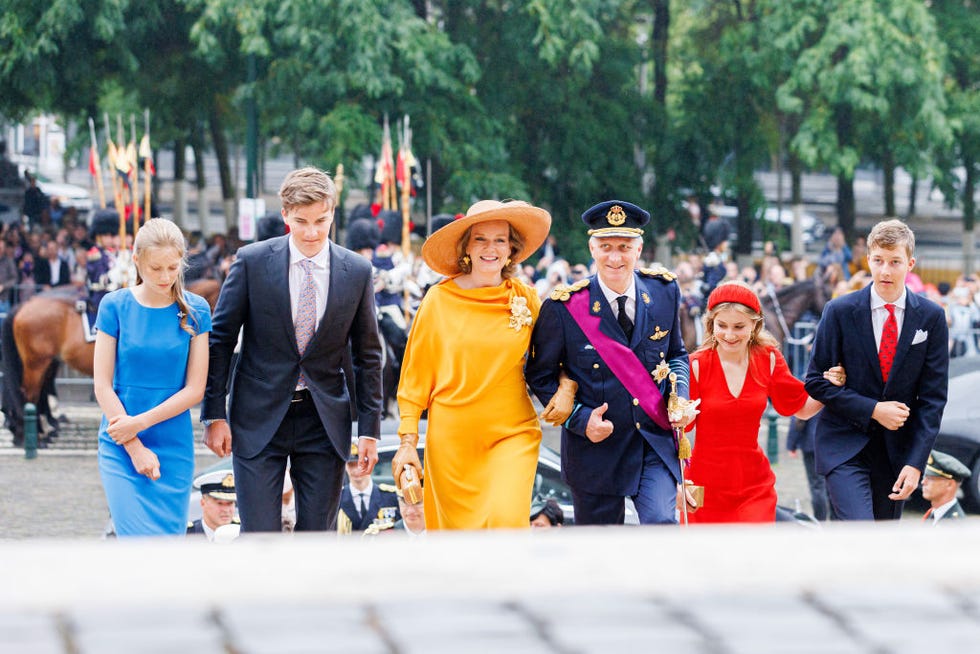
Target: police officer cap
x: 616, y: 218
x: 219, y: 484
x: 363, y: 234
x: 104, y: 221
x: 947, y: 466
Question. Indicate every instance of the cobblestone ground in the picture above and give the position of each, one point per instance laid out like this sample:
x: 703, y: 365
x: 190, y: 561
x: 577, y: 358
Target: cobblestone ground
x: 59, y: 494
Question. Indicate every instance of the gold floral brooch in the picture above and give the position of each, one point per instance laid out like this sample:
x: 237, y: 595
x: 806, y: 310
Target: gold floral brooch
x: 520, y: 315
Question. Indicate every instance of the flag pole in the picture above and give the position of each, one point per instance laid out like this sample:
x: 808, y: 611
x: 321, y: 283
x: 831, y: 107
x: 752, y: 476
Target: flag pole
x: 95, y: 162
x: 147, y: 163
x: 121, y: 160
x: 134, y: 172
x: 406, y: 149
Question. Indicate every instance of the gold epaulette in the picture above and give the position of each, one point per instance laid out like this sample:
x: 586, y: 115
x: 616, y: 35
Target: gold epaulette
x: 387, y: 488
x: 659, y: 271
x: 190, y: 524
x: 561, y: 293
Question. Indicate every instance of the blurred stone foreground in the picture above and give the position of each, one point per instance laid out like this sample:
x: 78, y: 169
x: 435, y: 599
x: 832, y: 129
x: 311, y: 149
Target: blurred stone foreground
x: 775, y: 588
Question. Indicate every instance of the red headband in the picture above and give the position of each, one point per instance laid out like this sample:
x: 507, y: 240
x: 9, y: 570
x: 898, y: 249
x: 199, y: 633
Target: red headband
x: 734, y: 293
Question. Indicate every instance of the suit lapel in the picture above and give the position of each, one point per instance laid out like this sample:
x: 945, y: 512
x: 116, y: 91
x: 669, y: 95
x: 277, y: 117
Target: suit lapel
x: 607, y: 320
x: 911, y: 322
x: 640, y: 328
x: 337, y: 293
x: 277, y: 267
x: 865, y: 332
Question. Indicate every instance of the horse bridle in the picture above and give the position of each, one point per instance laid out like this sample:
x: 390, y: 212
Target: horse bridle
x: 782, y: 320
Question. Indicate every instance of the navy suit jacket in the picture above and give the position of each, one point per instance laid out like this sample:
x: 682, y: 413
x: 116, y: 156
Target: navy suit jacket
x: 613, y: 466
x: 918, y: 378
x: 255, y: 299
x: 380, y: 499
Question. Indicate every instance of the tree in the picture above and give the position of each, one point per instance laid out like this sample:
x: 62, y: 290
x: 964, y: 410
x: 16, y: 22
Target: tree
x: 854, y: 64
x: 959, y: 28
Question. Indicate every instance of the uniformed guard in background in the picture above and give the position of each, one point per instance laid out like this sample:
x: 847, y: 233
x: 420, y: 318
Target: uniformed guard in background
x: 362, y: 502
x: 618, y: 336
x: 941, y: 483
x: 217, y: 503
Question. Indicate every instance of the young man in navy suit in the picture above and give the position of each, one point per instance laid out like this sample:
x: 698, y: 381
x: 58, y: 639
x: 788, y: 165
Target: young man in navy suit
x: 299, y: 302
x: 875, y: 433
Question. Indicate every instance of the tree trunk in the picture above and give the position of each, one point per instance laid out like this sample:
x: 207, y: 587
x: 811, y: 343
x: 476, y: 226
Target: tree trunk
x: 969, y: 215
x: 662, y: 185
x: 180, y: 188
x: 913, y: 194
x: 220, y: 142
x: 845, y: 205
x: 200, y: 181
x: 659, y: 41
x: 888, y: 173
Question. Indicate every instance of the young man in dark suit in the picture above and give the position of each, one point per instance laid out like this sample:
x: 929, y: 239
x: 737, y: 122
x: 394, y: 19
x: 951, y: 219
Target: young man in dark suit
x: 875, y: 433
x: 299, y: 302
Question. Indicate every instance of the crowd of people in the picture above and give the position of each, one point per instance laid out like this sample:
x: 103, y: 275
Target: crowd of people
x: 292, y: 359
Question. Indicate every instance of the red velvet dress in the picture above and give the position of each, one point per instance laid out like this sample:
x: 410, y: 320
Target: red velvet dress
x: 739, y: 485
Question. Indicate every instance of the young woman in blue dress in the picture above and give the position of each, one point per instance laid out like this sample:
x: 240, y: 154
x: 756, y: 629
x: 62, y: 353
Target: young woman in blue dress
x: 151, y: 362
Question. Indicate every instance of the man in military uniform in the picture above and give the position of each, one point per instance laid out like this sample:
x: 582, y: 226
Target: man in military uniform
x: 940, y: 484
x: 101, y: 257
x: 617, y: 335
x: 217, y: 503
x: 362, y: 502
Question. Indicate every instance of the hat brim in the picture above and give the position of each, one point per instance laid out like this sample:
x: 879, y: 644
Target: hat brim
x: 533, y: 224
x: 222, y: 495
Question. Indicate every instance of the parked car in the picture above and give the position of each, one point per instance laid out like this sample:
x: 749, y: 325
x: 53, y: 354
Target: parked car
x: 68, y: 195
x: 959, y: 434
x: 812, y: 227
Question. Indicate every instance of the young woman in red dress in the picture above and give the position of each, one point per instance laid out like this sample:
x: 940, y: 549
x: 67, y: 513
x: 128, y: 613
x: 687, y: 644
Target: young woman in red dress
x: 735, y: 372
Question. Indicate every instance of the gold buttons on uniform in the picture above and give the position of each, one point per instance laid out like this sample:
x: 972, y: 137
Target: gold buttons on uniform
x: 636, y: 402
x: 637, y: 425
x: 595, y: 365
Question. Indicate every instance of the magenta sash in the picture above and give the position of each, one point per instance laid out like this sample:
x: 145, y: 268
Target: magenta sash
x: 621, y: 360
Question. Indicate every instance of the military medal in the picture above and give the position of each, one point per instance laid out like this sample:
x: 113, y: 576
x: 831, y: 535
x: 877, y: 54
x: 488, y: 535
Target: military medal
x: 661, y: 371
x: 658, y: 333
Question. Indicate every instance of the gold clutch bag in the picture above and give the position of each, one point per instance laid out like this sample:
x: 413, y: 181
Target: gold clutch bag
x: 410, y: 486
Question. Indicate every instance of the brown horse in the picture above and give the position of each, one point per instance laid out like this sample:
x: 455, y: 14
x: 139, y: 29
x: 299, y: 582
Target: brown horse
x: 41, y: 333
x: 781, y: 311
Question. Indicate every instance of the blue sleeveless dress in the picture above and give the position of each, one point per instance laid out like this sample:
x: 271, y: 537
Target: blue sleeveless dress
x: 151, y: 365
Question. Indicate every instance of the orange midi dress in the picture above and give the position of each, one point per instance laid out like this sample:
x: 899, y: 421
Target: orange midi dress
x: 739, y: 485
x: 464, y: 362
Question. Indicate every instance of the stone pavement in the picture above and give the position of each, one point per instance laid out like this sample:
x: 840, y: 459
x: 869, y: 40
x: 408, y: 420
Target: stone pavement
x: 872, y: 589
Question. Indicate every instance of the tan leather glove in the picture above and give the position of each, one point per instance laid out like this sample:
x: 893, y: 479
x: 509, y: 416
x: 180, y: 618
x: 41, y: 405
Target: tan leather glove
x: 406, y: 455
x: 562, y: 402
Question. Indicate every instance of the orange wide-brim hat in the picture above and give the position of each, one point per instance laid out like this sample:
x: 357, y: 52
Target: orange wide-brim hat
x: 533, y: 224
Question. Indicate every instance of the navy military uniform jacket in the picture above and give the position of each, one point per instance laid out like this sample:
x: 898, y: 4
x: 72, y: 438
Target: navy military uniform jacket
x: 955, y: 512
x: 383, y: 505
x: 196, y: 527
x: 613, y: 466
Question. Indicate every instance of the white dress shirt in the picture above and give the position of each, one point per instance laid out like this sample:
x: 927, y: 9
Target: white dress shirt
x: 879, y: 314
x: 611, y: 296
x: 321, y: 277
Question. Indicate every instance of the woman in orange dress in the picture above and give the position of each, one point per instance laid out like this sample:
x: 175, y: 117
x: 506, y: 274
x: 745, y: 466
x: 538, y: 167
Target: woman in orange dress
x: 464, y: 363
x: 735, y: 372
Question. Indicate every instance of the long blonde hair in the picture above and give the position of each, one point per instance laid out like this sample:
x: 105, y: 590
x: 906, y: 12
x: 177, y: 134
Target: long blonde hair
x: 159, y: 233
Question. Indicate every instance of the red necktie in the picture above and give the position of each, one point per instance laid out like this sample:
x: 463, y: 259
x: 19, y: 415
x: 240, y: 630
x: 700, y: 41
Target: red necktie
x: 889, y: 341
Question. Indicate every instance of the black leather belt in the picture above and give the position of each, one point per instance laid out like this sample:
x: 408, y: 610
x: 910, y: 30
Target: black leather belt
x: 301, y: 395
